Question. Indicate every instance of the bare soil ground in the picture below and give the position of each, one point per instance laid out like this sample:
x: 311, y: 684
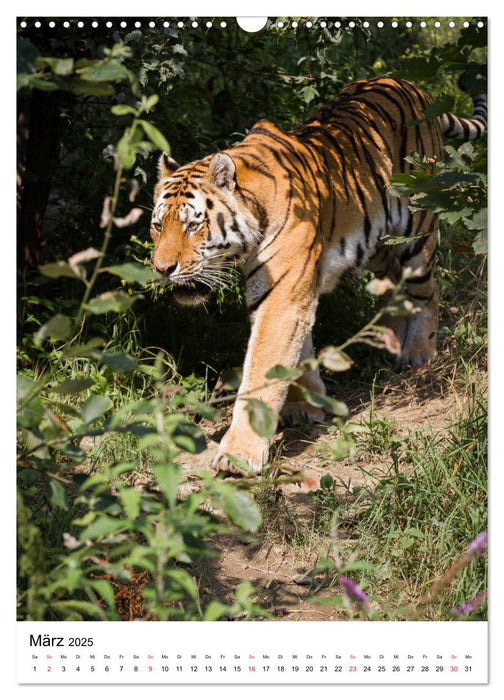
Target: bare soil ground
x: 275, y: 561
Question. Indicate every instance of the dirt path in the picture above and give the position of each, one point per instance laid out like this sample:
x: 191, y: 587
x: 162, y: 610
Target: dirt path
x: 277, y: 562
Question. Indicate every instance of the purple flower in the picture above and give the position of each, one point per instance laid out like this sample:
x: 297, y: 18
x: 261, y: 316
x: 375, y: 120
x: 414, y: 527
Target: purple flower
x: 470, y: 606
x: 478, y: 546
x: 352, y: 591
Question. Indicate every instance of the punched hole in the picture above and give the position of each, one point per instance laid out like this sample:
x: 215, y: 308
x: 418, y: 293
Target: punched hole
x: 252, y: 24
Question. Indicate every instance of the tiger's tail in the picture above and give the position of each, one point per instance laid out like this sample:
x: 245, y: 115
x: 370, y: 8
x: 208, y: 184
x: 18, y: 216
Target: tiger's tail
x: 461, y: 127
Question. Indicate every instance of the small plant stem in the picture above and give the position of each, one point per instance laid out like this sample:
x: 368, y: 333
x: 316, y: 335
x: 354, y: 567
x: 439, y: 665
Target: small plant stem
x: 107, y: 234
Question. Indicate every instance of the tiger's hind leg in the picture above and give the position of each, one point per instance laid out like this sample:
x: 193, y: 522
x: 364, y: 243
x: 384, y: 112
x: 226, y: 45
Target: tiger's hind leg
x: 418, y: 341
x: 416, y: 332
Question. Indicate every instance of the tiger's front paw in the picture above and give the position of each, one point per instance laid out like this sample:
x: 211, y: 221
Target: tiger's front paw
x: 249, y: 455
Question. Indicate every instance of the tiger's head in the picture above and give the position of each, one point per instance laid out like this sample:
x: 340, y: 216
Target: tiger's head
x: 201, y: 226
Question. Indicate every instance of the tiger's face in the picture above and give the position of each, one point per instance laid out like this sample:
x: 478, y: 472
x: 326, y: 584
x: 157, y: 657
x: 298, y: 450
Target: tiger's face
x: 200, y: 226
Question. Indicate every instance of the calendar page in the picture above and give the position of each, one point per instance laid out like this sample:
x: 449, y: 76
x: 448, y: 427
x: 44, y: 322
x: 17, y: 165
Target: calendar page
x: 251, y: 350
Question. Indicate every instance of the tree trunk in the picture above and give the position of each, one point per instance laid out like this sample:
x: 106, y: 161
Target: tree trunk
x: 37, y: 148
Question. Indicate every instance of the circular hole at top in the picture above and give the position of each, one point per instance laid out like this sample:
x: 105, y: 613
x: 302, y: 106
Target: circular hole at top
x: 251, y: 24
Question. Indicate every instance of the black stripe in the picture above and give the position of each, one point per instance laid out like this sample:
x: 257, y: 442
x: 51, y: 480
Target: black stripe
x: 378, y: 180
x: 260, y: 211
x: 220, y: 223
x: 421, y: 297
x: 382, y: 113
x: 451, y: 122
x: 335, y: 145
x: 253, y: 307
x: 360, y: 255
x: 420, y: 280
x: 255, y: 168
x: 415, y: 249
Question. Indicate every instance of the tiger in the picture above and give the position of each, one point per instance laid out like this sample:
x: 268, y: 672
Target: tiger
x: 296, y: 211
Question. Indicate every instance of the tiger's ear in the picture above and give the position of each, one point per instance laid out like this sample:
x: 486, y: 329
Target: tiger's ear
x: 166, y: 166
x: 222, y: 171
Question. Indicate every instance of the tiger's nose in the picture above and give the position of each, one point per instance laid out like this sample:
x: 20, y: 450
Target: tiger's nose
x: 166, y: 268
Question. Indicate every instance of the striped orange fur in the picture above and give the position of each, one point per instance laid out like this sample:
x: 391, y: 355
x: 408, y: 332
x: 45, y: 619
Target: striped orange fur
x: 296, y: 211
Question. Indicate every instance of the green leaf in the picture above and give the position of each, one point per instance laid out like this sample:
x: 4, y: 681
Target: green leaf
x: 111, y: 301
x: 73, y: 386
x: 105, y: 590
x: 414, y: 532
x: 104, y: 70
x: 168, y: 478
x: 94, y: 407
x: 31, y: 413
x: 101, y: 527
x: 239, y: 506
x: 118, y: 361
x: 308, y: 93
x: 215, y: 610
x: 57, y: 494
x: 126, y: 152
x: 339, y: 448
x: 42, y: 84
x: 59, y: 66
x: 121, y: 110
x: 154, y: 135
x: 59, y: 327
x: 231, y: 378
x: 58, y: 269
x: 358, y: 566
x: 480, y: 243
x: 185, y: 581
x: 338, y: 408
x: 86, y: 350
x: 283, y: 373
x: 444, y: 104
x: 134, y: 272
x: 72, y: 451
x: 419, y: 68
x: 478, y: 222
x: 334, y: 359
x: 326, y: 482
x: 130, y: 499
x: 151, y: 102
x: 71, y: 609
x: 263, y: 419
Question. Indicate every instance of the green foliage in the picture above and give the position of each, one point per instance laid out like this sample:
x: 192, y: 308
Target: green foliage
x: 457, y: 191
